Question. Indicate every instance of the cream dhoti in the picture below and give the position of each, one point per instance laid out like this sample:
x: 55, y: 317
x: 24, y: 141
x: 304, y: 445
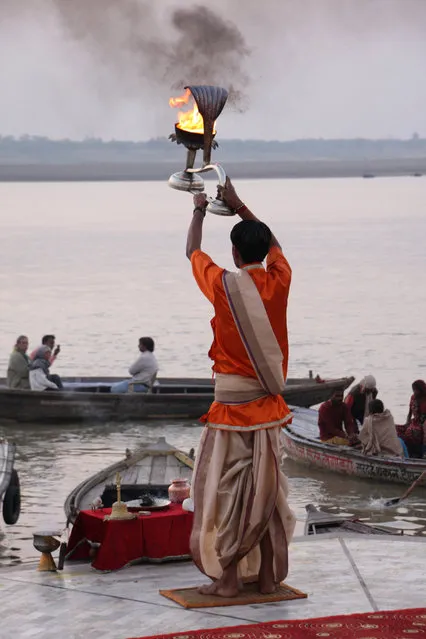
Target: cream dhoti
x: 238, y: 489
x: 240, y: 494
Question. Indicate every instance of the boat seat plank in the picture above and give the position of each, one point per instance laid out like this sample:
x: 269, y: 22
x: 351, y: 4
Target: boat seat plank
x: 143, y: 473
x: 176, y: 470
x: 172, y: 469
x: 158, y: 469
x: 130, y: 475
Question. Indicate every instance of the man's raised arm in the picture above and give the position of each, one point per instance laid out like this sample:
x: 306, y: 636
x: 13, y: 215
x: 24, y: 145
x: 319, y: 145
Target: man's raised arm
x: 229, y: 195
x: 195, y: 231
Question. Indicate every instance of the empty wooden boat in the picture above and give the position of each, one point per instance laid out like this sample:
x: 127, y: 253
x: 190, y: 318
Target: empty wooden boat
x: 151, y: 469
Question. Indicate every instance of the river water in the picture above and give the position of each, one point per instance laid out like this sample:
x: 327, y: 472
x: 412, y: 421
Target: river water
x: 100, y: 264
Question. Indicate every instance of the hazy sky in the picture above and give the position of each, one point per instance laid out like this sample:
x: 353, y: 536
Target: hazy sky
x: 315, y: 68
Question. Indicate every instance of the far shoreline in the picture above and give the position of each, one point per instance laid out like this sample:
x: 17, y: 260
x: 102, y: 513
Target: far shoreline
x: 257, y: 169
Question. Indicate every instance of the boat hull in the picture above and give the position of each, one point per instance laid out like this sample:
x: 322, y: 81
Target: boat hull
x: 172, y: 399
x: 7, y: 459
x: 318, y: 522
x: 344, y: 460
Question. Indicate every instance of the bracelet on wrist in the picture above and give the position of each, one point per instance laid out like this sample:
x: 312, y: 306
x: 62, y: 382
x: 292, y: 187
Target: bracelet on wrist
x: 240, y: 208
x: 199, y: 208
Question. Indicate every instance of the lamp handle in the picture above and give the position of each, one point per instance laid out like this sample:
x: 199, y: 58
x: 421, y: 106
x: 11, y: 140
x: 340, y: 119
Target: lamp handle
x: 215, y: 205
x: 212, y: 167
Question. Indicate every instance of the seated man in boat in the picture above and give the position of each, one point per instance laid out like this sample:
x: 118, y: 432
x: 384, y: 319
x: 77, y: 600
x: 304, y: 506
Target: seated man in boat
x: 48, y: 340
x: 18, y: 370
x: 242, y: 522
x: 378, y: 434
x: 143, y: 370
x: 40, y: 377
x: 359, y: 398
x: 335, y: 422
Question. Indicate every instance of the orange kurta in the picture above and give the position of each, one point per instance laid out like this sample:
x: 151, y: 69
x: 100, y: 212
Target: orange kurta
x: 228, y: 352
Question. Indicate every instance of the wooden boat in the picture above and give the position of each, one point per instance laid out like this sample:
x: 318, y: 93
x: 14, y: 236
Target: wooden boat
x: 10, y: 494
x: 90, y: 399
x: 151, y: 469
x: 302, y: 444
x: 318, y: 522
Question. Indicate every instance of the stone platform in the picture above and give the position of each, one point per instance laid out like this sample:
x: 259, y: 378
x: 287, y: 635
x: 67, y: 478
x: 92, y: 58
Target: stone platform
x: 339, y: 574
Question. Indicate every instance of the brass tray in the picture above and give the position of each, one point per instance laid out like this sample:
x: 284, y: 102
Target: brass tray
x: 159, y: 504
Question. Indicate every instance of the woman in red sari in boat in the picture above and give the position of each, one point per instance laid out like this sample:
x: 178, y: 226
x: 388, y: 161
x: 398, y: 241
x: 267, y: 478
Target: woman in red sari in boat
x: 413, y: 432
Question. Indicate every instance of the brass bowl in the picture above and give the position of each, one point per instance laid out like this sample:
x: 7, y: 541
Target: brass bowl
x: 190, y: 139
x: 44, y: 542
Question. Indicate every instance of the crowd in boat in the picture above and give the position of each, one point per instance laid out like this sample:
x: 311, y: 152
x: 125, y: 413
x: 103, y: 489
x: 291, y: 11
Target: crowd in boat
x: 361, y: 420
x: 32, y: 372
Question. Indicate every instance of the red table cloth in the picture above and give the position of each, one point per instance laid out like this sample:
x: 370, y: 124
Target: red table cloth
x: 160, y: 535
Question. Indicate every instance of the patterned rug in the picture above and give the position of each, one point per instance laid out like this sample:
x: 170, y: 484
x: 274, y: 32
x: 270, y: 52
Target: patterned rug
x: 390, y: 624
x: 191, y: 598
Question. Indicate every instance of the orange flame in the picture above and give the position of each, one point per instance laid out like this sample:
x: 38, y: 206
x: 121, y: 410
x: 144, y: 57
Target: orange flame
x: 191, y: 120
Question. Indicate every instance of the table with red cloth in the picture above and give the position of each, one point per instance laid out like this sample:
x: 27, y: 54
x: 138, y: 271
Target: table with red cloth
x: 158, y: 536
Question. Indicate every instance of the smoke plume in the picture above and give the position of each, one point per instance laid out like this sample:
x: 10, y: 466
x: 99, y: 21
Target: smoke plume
x: 208, y: 50
x: 309, y: 67
x: 134, y: 42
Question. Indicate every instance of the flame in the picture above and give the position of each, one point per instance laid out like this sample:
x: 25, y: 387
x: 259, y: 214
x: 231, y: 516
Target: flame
x: 191, y: 120
x: 181, y: 100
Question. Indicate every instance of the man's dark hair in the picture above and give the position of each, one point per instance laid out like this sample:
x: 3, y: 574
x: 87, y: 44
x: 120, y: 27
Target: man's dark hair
x: 420, y: 386
x: 376, y: 406
x: 252, y: 240
x: 46, y: 338
x: 148, y: 342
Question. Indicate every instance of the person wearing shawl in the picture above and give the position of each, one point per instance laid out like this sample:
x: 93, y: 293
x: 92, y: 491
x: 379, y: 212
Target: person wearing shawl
x: 378, y: 434
x: 40, y: 378
x: 413, y: 432
x: 18, y: 370
x: 359, y: 398
x: 242, y: 521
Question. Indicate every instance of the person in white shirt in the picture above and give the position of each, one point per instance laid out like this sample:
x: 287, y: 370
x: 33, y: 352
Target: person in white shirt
x: 143, y: 370
x: 40, y: 378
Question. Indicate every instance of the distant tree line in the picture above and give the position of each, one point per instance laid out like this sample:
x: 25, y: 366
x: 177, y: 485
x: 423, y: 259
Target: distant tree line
x: 42, y: 150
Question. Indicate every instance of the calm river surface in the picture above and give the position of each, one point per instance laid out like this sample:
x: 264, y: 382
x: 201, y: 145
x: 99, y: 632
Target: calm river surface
x: 101, y: 264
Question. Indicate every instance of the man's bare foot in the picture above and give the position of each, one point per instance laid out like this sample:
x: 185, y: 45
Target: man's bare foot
x: 219, y: 590
x: 267, y: 587
x: 225, y: 586
x: 267, y: 584
x: 207, y: 589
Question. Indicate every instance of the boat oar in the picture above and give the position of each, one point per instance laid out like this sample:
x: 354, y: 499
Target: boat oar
x: 396, y: 500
